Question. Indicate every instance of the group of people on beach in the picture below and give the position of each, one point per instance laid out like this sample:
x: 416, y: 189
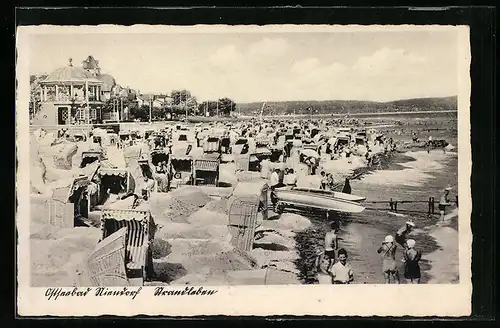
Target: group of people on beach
x: 411, y: 256
x: 328, y: 269
x: 332, y: 266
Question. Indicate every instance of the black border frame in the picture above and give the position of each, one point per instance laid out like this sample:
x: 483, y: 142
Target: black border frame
x: 482, y: 22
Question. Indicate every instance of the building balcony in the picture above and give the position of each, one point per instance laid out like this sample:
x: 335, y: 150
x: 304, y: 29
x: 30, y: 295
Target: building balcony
x: 69, y: 101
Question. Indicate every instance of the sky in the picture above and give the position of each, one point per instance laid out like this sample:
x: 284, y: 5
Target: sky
x: 246, y: 67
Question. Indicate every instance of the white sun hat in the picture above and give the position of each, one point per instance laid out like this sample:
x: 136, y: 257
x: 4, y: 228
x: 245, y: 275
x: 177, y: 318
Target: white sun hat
x: 410, y: 243
x: 388, y: 239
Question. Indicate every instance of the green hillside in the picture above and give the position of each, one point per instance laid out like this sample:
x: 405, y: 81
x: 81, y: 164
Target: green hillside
x: 348, y: 106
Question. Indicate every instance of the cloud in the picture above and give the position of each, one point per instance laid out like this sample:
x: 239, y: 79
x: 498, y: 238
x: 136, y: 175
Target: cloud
x: 304, y: 66
x: 269, y: 47
x: 387, y: 58
x: 264, y: 50
x: 226, y: 55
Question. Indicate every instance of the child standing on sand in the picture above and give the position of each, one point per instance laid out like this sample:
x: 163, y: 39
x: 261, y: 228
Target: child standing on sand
x: 389, y: 267
x: 322, y: 268
x: 411, y: 259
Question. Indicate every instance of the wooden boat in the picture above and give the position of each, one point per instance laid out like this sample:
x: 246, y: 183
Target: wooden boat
x: 333, y: 194
x: 311, y: 199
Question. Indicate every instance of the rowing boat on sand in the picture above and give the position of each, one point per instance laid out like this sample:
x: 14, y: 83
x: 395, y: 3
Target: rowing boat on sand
x: 305, y: 198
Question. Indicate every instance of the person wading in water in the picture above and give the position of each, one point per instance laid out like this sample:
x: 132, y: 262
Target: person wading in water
x: 411, y: 259
x: 389, y: 267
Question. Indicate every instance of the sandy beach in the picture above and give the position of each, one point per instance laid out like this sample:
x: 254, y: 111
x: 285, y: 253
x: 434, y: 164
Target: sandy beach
x: 192, y: 244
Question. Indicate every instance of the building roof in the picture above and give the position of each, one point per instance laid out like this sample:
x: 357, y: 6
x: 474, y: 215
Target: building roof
x: 90, y: 63
x: 70, y: 73
x: 146, y: 96
x: 108, y: 80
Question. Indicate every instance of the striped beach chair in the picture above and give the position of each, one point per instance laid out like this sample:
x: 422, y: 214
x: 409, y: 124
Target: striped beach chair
x: 141, y: 229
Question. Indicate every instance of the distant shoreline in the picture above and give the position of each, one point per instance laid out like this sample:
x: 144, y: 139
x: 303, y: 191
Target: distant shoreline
x: 359, y: 114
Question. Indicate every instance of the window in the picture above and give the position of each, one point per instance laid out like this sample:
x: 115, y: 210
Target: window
x: 80, y: 114
x: 51, y: 93
x: 93, y: 113
x: 63, y: 92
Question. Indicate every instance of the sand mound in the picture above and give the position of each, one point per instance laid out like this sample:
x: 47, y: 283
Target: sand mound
x: 285, y: 266
x: 196, y: 255
x: 159, y: 203
x: 288, y: 221
x: 184, y: 202
x: 206, y: 218
x: 160, y: 248
x: 264, y: 257
x: 193, y: 231
x: 243, y: 176
x: 54, y: 261
x: 274, y: 241
x: 195, y: 247
x: 218, y: 206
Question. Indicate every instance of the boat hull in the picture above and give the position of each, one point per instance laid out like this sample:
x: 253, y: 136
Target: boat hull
x: 301, y: 199
x: 332, y: 194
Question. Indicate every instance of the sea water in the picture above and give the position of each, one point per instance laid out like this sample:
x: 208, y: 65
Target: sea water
x: 412, y: 176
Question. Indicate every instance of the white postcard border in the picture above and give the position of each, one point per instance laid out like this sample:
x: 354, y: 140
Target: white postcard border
x: 329, y: 300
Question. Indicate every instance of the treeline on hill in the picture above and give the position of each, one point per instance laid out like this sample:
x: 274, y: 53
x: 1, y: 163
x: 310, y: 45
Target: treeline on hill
x: 348, y: 106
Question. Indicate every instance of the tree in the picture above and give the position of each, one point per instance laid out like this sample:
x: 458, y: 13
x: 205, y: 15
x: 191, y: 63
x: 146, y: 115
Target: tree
x: 180, y: 96
x: 141, y: 113
x: 177, y: 109
x: 192, y: 106
x: 158, y: 113
x: 207, y: 107
x: 226, y: 106
x: 35, y: 90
